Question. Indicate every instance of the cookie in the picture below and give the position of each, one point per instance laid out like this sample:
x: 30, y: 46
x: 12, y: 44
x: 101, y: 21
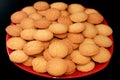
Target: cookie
x: 18, y: 56
x: 29, y: 10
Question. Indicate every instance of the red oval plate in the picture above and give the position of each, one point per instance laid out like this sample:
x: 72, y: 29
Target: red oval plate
x: 76, y: 74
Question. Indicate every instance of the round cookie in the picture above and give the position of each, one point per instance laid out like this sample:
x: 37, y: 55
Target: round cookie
x: 39, y: 64
x: 59, y: 5
x: 90, y: 30
x: 47, y: 55
x: 90, y: 10
x: 18, y: 16
x: 13, y: 30
x: 58, y: 28
x: 95, y: 18
x: 15, y: 43
x: 74, y: 8
x: 103, y: 56
x: 75, y: 38
x: 86, y: 67
x: 52, y: 14
x: 58, y: 49
x: 42, y: 23
x: 18, y: 56
x: 33, y: 47
x: 76, y: 27
x: 43, y: 35
x: 78, y: 58
x: 79, y: 17
x: 89, y: 49
x: 27, y: 34
x: 64, y: 20
x: 104, y: 29
x: 57, y: 66
x: 41, y: 5
x: 103, y: 41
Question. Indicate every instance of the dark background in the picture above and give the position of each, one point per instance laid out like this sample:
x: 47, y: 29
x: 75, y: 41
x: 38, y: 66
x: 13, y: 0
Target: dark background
x: 108, y: 8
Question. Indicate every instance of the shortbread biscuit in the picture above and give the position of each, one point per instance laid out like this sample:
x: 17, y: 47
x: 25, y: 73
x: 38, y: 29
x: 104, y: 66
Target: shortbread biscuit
x: 18, y: 16
x: 27, y: 23
x: 74, y: 8
x: 71, y: 67
x: 41, y: 5
x: 87, y: 67
x: 79, y: 17
x: 104, y: 29
x: 57, y: 67
x: 15, y: 43
x: 95, y: 18
x: 52, y: 14
x: 89, y: 49
x: 58, y: 28
x: 29, y: 10
x: 43, y: 35
x: 103, y: 41
x: 103, y: 56
x: 13, y: 30
x: 61, y: 36
x: 58, y: 49
x: 64, y: 20
x: 76, y: 27
x: 65, y: 13
x: 33, y: 47
x: 88, y: 41
x: 90, y: 30
x: 39, y: 64
x: 27, y: 34
x: 78, y: 58
x: 75, y: 38
x: 18, y: 56
x: 59, y: 5
x: 42, y: 23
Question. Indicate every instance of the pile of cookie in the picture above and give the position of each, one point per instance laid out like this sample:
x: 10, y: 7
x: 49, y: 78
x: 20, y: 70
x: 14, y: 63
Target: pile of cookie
x: 58, y: 38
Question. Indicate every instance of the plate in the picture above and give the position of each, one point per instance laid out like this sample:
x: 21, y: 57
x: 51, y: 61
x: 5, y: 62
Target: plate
x: 76, y: 74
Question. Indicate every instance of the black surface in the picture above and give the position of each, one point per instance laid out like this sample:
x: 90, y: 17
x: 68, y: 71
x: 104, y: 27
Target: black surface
x: 108, y: 8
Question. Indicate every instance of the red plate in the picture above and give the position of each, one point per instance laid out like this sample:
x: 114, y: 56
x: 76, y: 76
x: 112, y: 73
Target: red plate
x: 76, y: 74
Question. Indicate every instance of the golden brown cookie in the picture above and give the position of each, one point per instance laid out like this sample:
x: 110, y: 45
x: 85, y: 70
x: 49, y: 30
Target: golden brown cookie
x: 86, y: 67
x: 59, y: 5
x: 58, y: 49
x: 57, y: 66
x: 103, y: 56
x: 76, y: 27
x: 18, y: 16
x: 35, y: 16
x: 103, y: 41
x: 27, y: 34
x: 89, y: 49
x: 95, y: 18
x: 104, y: 29
x: 33, y: 47
x: 58, y: 28
x: 41, y: 5
x: 28, y: 62
x: 74, y: 8
x: 13, y: 30
x: 18, y: 56
x: 43, y: 35
x: 15, y: 43
x: 78, y: 58
x: 39, y: 64
x: 79, y: 17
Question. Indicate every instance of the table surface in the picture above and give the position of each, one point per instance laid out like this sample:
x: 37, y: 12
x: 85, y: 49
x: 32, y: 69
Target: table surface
x: 108, y: 8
